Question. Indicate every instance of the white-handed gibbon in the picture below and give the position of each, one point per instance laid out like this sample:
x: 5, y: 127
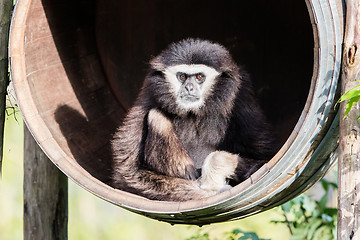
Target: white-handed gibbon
x: 195, y: 128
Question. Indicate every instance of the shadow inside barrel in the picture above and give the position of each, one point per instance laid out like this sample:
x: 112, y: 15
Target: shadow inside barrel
x: 89, y: 121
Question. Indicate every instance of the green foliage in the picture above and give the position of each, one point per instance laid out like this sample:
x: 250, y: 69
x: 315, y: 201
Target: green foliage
x: 238, y: 234
x: 308, y: 219
x: 235, y: 234
x: 199, y: 235
x: 352, y: 96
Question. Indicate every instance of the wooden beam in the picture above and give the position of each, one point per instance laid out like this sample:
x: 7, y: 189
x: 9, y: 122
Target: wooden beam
x: 6, y: 7
x: 45, y: 195
x: 349, y: 152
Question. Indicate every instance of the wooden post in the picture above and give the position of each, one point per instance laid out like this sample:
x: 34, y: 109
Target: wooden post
x: 5, y: 16
x: 349, y: 152
x: 45, y: 195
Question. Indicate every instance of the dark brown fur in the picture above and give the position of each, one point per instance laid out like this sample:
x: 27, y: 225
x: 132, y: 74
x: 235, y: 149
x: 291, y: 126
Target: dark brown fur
x: 166, y: 173
x: 160, y: 161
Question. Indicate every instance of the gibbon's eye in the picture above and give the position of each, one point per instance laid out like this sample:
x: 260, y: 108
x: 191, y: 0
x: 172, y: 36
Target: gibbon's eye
x: 200, y: 77
x: 181, y: 76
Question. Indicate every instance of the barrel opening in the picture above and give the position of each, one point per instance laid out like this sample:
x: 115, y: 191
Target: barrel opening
x: 88, y: 66
x: 273, y: 41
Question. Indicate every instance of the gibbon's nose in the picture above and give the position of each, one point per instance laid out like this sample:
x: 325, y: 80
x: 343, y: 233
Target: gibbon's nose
x: 189, y: 87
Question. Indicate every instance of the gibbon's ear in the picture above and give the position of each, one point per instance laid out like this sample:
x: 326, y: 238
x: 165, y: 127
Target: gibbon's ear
x: 230, y: 75
x: 156, y: 73
x: 226, y: 74
x: 157, y: 65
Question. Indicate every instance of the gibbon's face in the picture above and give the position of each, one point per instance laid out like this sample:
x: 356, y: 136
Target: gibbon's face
x: 191, y: 84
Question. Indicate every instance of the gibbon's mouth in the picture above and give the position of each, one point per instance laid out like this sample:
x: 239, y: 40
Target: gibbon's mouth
x: 189, y: 98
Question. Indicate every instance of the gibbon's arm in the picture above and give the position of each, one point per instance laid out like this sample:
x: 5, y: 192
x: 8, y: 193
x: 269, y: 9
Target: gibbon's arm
x: 166, y: 153
x: 163, y: 152
x: 147, y: 178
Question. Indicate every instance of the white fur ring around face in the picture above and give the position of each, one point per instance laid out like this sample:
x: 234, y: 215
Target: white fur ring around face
x: 218, y: 166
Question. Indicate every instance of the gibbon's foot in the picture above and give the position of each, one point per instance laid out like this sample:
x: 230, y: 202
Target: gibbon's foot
x: 217, y: 167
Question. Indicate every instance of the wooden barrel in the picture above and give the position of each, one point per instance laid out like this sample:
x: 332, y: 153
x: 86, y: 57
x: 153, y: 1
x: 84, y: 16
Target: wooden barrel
x: 77, y: 67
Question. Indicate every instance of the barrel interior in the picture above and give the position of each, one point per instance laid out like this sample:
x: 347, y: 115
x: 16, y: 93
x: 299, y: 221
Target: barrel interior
x: 86, y: 60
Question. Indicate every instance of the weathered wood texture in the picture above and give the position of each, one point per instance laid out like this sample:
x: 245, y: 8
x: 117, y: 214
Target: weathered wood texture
x: 5, y: 16
x: 76, y: 69
x: 349, y: 151
x: 45, y: 195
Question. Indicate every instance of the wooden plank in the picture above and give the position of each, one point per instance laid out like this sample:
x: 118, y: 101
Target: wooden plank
x: 45, y: 195
x: 5, y: 16
x: 349, y: 158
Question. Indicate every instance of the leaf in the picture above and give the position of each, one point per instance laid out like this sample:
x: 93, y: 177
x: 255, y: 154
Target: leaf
x: 331, y: 211
x: 324, y: 184
x: 236, y: 231
x: 286, y: 207
x: 350, y: 104
x: 313, y: 226
x: 334, y: 185
x: 247, y: 235
x: 298, y: 200
x: 299, y: 214
x: 323, y: 233
x: 349, y: 94
x: 309, y: 205
x: 299, y: 234
x: 353, y: 95
x: 322, y: 203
